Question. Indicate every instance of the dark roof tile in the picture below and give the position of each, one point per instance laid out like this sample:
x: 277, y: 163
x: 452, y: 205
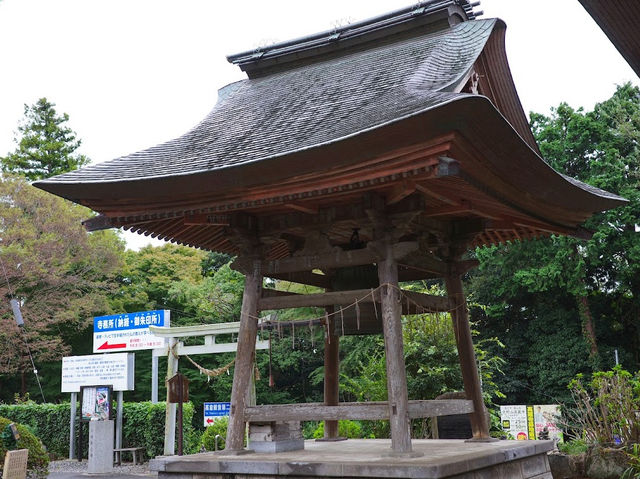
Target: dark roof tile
x: 305, y: 107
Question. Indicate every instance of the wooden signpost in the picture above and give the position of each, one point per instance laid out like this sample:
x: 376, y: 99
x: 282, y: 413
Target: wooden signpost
x: 178, y: 392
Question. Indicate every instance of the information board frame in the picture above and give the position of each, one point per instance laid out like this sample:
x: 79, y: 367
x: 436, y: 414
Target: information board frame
x: 96, y: 402
x: 116, y: 370
x: 126, y: 332
x: 214, y: 410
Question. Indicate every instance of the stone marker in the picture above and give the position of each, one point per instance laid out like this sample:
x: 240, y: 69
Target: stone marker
x: 15, y: 464
x: 100, y: 447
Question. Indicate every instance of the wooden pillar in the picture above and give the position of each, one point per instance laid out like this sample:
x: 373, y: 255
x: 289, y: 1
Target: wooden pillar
x: 243, y: 368
x: 394, y: 351
x: 170, y: 413
x: 331, y: 378
x: 470, y: 376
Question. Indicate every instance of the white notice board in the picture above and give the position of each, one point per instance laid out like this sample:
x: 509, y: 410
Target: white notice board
x: 115, y: 370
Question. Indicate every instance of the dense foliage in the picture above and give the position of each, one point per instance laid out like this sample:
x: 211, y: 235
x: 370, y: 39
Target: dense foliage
x: 604, y: 408
x: 60, y: 275
x: 561, y: 305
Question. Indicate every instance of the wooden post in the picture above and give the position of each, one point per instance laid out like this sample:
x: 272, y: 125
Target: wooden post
x: 180, y: 416
x: 470, y: 376
x: 170, y: 414
x: 331, y: 367
x: 394, y: 352
x: 244, y: 357
x: 72, y: 426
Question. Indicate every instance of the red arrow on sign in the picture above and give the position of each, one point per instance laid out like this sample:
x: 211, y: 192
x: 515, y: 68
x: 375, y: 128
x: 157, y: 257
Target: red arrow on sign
x: 209, y: 420
x: 106, y: 345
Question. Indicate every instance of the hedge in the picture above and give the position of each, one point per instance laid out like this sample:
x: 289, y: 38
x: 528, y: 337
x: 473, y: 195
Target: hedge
x: 143, y: 425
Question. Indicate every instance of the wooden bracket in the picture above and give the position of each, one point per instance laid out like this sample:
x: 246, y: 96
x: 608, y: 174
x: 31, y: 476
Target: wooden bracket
x: 98, y: 223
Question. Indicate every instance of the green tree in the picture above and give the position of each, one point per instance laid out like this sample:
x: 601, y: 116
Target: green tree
x: 46, y: 147
x: 562, y: 305
x: 60, y: 274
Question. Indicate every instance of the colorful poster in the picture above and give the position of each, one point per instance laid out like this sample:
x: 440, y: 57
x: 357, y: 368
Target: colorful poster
x: 514, y: 421
x: 96, y: 403
x: 546, y: 419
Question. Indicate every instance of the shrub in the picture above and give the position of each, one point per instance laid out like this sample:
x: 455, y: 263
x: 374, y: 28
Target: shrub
x: 346, y: 428
x: 49, y: 422
x: 143, y: 425
x: 219, y: 427
x: 38, y: 461
x: 573, y: 447
x: 605, y: 407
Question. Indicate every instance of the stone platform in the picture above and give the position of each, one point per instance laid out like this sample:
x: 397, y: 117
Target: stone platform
x: 368, y: 458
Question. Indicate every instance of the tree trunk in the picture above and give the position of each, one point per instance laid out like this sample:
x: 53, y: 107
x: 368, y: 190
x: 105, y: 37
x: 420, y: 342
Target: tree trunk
x: 588, y: 327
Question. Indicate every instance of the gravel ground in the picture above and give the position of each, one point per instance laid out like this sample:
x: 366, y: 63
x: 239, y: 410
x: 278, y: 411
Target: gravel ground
x: 73, y: 469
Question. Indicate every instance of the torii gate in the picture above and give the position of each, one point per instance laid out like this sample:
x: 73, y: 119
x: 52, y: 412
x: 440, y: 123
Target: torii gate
x: 176, y: 348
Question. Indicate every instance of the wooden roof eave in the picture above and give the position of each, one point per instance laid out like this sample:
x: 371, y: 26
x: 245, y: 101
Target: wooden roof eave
x: 619, y: 21
x: 472, y: 117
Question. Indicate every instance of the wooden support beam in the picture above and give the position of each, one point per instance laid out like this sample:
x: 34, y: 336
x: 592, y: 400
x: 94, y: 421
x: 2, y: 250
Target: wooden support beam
x: 354, y: 411
x: 448, y: 210
x: 331, y: 373
x: 276, y: 225
x: 206, y: 219
x: 275, y: 293
x: 426, y: 262
x: 400, y: 191
x: 304, y: 277
x: 426, y: 301
x: 337, y: 259
x: 244, y: 357
x: 303, y: 207
x: 431, y: 193
x: 470, y: 375
x: 398, y: 407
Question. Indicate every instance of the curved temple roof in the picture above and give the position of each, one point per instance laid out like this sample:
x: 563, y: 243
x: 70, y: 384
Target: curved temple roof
x: 419, y: 102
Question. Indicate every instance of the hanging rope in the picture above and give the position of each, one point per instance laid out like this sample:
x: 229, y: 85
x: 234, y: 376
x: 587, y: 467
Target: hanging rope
x: 212, y: 373
x: 279, y: 325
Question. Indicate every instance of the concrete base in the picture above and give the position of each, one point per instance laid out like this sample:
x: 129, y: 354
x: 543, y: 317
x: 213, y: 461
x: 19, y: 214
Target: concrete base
x: 100, y: 447
x: 365, y: 458
x: 277, y: 446
x: 275, y: 436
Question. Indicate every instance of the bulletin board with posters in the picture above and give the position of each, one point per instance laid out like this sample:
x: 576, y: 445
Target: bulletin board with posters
x: 540, y: 421
x: 96, y: 402
x: 547, y: 416
x: 515, y: 422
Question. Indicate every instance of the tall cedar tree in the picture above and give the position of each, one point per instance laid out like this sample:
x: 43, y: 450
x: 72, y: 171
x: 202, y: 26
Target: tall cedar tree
x: 46, y: 147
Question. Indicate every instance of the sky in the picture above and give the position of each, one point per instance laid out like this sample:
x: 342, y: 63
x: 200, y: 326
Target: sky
x: 135, y: 73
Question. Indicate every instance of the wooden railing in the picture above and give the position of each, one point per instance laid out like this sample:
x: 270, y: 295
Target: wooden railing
x: 353, y: 410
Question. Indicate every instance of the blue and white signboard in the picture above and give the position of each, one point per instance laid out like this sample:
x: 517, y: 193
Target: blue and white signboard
x: 128, y: 331
x: 214, y: 410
